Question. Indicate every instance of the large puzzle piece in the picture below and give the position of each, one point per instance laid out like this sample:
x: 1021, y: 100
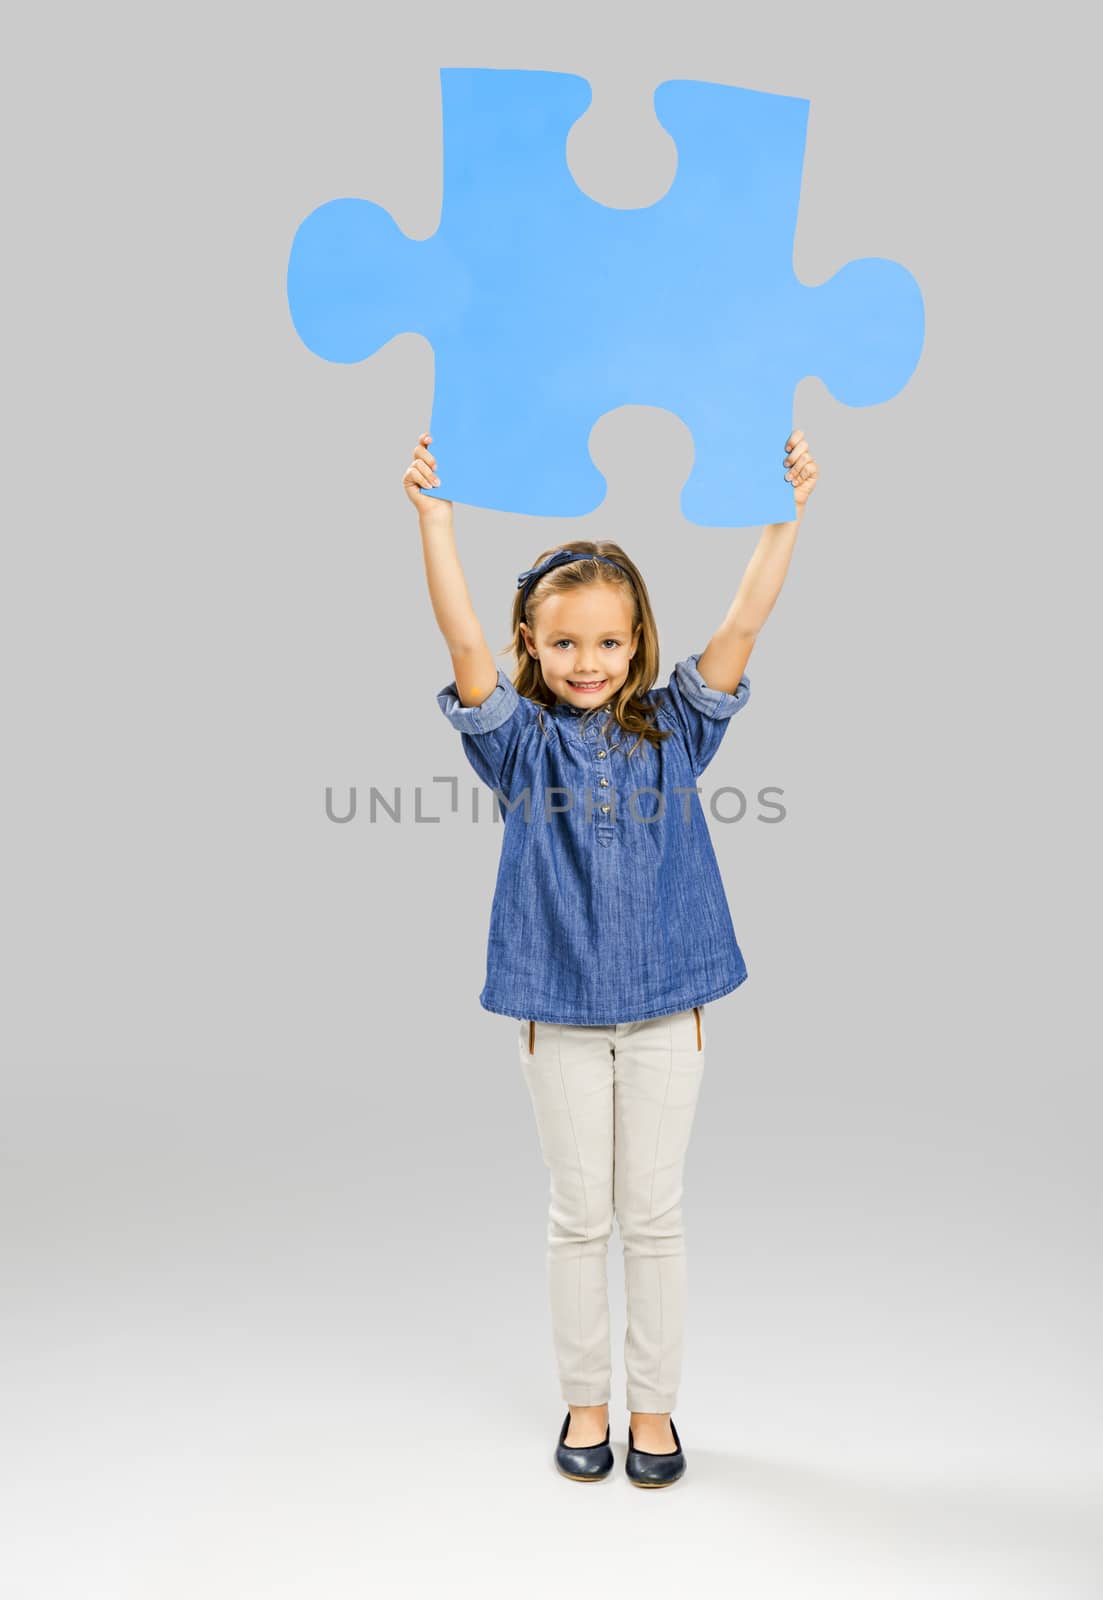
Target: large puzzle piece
x: 545, y: 309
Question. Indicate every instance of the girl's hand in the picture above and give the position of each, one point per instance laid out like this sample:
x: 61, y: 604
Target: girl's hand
x: 422, y: 471
x: 803, y: 472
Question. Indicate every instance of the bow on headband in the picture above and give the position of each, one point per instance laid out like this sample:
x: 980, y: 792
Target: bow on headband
x: 560, y: 558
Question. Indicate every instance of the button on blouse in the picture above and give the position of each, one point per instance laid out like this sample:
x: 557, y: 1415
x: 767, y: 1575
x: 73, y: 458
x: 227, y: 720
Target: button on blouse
x: 608, y: 906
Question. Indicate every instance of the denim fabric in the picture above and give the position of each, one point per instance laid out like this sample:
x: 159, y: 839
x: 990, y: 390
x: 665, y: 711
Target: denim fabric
x: 609, y: 906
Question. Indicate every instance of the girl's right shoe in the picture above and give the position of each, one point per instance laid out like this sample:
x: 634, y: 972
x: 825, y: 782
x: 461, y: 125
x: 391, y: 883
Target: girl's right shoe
x: 585, y: 1463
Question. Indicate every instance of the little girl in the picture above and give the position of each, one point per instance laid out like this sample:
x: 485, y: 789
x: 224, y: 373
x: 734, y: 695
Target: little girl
x: 610, y: 931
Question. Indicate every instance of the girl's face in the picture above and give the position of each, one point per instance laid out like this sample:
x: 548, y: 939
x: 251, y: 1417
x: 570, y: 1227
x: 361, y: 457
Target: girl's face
x: 584, y: 642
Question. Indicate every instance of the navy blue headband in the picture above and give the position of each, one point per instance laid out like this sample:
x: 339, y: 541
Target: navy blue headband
x: 526, y: 580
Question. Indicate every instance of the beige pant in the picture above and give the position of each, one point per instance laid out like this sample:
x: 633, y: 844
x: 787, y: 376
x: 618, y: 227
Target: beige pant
x: 614, y: 1109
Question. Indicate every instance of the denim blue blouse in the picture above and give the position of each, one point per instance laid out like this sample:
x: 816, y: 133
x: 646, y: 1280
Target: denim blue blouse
x: 609, y: 906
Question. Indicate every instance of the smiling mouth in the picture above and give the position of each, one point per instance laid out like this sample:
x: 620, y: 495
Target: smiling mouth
x: 595, y: 683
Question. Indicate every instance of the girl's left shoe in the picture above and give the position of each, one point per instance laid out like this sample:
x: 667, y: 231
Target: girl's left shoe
x: 650, y: 1469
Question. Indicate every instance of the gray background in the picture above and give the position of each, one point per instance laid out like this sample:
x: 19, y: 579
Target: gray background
x: 273, y: 1213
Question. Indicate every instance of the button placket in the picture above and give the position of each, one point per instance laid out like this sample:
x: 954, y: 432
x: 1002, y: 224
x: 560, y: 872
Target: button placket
x: 605, y: 821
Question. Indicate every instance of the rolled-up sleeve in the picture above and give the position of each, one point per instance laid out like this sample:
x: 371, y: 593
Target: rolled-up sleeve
x: 490, y: 731
x: 701, y: 712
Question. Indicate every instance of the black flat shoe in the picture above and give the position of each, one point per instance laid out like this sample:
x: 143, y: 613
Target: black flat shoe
x: 586, y: 1463
x: 653, y: 1469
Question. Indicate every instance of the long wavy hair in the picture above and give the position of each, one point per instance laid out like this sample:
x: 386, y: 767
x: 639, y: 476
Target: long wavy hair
x: 630, y: 709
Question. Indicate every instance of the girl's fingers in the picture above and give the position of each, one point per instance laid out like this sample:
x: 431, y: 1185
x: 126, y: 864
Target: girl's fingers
x: 421, y: 473
x: 801, y: 466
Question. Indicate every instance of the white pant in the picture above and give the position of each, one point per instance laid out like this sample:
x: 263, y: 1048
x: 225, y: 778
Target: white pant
x: 614, y: 1109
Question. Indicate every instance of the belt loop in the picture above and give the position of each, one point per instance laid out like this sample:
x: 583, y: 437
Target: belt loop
x: 532, y: 1037
x: 697, y: 1014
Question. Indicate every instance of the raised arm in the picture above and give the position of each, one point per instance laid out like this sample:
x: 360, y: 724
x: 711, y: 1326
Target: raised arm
x: 476, y: 671
x: 723, y: 660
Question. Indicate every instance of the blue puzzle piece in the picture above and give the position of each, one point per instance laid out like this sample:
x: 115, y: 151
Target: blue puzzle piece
x: 545, y: 309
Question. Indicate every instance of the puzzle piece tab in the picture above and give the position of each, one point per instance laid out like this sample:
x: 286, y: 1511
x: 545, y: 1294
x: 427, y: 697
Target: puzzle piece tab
x: 546, y: 310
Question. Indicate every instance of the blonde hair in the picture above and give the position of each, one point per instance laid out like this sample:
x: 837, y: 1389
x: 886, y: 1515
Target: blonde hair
x: 630, y: 710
